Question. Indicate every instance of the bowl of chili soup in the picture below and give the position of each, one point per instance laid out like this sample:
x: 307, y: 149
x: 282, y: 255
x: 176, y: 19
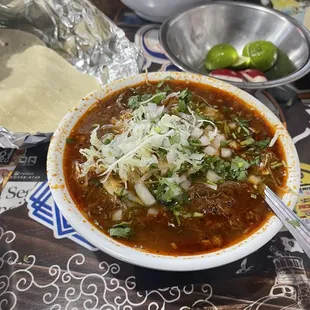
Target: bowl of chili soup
x: 163, y: 170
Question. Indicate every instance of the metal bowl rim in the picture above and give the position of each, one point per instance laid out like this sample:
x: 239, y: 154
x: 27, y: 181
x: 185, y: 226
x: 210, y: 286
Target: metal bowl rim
x: 245, y: 85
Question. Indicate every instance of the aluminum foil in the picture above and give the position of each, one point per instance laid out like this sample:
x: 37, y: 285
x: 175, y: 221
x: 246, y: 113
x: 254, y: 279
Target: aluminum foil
x: 79, y: 32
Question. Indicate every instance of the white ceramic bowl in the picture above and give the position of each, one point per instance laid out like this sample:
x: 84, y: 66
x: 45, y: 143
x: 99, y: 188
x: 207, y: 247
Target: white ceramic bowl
x: 159, y: 10
x: 177, y: 263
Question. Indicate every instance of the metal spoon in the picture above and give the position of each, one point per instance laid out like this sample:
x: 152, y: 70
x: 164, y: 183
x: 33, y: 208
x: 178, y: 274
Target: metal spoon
x: 294, y: 225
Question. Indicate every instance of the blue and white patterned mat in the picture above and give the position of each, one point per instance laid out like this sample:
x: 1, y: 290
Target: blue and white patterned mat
x: 44, y: 210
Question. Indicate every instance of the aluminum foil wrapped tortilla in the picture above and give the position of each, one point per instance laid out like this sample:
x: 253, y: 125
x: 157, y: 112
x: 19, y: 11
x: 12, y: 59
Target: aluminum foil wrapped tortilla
x: 57, y: 52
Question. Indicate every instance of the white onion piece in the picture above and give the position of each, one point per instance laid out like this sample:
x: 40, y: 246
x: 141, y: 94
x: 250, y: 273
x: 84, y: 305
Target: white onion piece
x: 232, y: 125
x: 171, y: 156
x: 210, y: 150
x: 212, y: 176
x: 152, y: 211
x: 212, y: 186
x: 209, y: 128
x: 217, y: 141
x: 204, y: 140
x: 197, y: 132
x: 144, y: 194
x: 163, y: 171
x: 254, y: 179
x: 182, y: 178
x: 226, y: 153
x: 166, y: 143
x: 117, y: 215
x: 274, y: 139
x: 186, y: 184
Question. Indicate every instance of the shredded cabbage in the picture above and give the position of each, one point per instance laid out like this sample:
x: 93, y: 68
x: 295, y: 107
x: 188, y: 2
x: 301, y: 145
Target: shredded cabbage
x: 149, y: 131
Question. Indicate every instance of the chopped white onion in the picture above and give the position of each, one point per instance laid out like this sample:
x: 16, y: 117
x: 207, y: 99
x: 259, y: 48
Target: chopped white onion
x: 212, y: 176
x: 144, y: 194
x: 226, y: 153
x: 209, y: 128
x: 186, y: 184
x: 171, y: 156
x: 217, y: 141
x: 212, y: 186
x: 197, y: 132
x: 152, y: 211
x: 166, y: 142
x: 232, y: 125
x: 117, y: 215
x: 182, y: 178
x: 254, y: 179
x: 210, y: 150
x: 274, y: 139
x: 163, y: 171
x: 204, y: 140
x: 196, y: 156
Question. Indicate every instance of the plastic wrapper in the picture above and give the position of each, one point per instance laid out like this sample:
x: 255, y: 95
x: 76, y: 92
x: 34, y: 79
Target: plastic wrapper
x: 80, y: 33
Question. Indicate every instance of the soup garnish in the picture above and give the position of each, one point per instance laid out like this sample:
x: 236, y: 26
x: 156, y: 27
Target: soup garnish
x: 173, y: 167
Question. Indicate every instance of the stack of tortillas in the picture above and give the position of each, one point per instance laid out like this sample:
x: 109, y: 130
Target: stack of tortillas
x: 37, y: 86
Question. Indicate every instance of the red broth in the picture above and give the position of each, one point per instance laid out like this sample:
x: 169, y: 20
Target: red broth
x: 209, y: 219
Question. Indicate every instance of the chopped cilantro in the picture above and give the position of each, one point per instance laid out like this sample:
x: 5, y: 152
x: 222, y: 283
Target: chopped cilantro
x: 184, y: 98
x: 244, y: 124
x: 185, y: 94
x: 184, y: 167
x: 239, y: 168
x: 167, y: 89
x: 225, y: 143
x: 153, y: 166
x: 133, y: 101
x: 177, y: 214
x: 107, y: 141
x: 255, y: 161
x: 248, y: 141
x: 182, y: 106
x: 168, y: 191
x: 121, y: 230
x: 159, y: 98
x: 194, y: 144
x: 263, y: 143
x: 162, y: 82
x: 218, y: 165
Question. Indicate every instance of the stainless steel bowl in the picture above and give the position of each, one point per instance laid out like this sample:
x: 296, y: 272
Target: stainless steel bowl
x: 187, y: 37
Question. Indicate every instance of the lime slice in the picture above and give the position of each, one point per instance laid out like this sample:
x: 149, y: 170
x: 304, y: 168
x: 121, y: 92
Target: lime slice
x: 263, y: 54
x: 283, y: 67
x: 221, y: 56
x: 242, y: 63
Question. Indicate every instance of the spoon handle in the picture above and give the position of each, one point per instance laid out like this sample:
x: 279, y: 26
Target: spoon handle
x: 290, y: 220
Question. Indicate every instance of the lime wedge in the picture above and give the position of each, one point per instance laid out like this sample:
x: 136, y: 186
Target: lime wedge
x: 283, y: 67
x: 221, y: 56
x: 263, y: 54
x: 242, y: 63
